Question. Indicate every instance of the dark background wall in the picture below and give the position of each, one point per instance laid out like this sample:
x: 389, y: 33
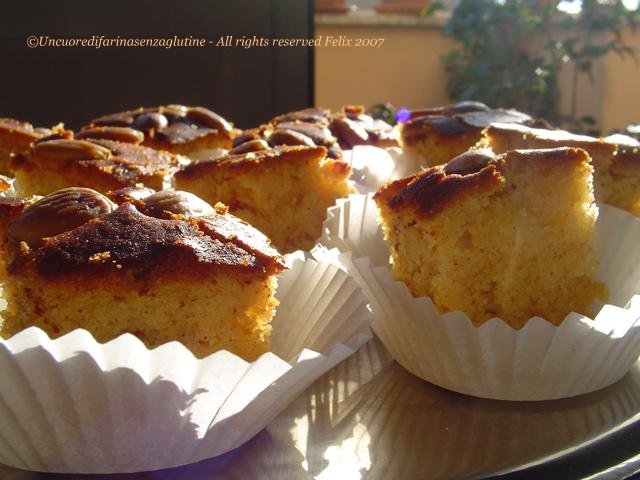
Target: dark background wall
x: 74, y: 84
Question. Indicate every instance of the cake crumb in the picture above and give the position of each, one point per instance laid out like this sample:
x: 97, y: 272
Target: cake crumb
x: 221, y: 208
x: 100, y: 257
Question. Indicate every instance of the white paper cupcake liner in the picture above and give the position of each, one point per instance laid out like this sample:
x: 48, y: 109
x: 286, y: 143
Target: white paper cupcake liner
x: 538, y: 362
x: 74, y: 405
x: 372, y: 167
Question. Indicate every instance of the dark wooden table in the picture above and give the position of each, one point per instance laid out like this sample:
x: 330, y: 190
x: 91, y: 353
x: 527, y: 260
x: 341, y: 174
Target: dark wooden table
x: 370, y: 419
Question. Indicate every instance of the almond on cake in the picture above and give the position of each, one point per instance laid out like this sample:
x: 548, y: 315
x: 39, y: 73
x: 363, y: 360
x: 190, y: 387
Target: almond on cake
x: 284, y: 191
x: 178, y: 271
x: 510, y: 236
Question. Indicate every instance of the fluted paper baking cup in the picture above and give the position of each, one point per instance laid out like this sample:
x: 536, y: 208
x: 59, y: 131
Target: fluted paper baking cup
x: 539, y: 361
x: 372, y: 167
x: 74, y: 405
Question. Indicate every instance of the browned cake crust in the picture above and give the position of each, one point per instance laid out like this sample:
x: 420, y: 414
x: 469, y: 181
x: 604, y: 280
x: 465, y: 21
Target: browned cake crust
x: 144, y: 244
x: 99, y: 164
x: 124, y: 240
x: 175, y: 128
x: 432, y: 190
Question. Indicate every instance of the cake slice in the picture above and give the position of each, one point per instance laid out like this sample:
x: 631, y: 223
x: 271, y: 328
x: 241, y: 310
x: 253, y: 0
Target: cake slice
x: 284, y: 191
x: 99, y: 164
x: 192, y: 131
x: 439, y: 134
x: 616, y: 164
x: 510, y: 236
x: 175, y: 272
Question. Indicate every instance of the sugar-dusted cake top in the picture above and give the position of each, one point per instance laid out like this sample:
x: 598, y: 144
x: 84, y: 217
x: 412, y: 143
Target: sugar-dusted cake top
x: 431, y: 191
x: 125, y: 162
x: 174, y: 124
x: 78, y: 231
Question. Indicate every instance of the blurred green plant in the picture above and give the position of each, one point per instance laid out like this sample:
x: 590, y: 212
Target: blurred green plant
x: 383, y: 111
x: 511, y: 51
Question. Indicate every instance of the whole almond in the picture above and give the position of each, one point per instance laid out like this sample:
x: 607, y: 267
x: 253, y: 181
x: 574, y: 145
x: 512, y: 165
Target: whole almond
x: 174, y: 110
x: 150, y: 120
x: 56, y: 213
x: 118, y: 134
x: 469, y: 162
x: 283, y: 136
x: 177, y: 202
x: 250, y: 146
x: 349, y: 132
x: 70, y: 150
x: 246, y: 136
x: 209, y: 119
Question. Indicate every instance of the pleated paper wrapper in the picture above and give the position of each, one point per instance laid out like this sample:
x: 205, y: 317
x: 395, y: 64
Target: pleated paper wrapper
x: 372, y: 167
x: 538, y: 362
x: 74, y: 405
